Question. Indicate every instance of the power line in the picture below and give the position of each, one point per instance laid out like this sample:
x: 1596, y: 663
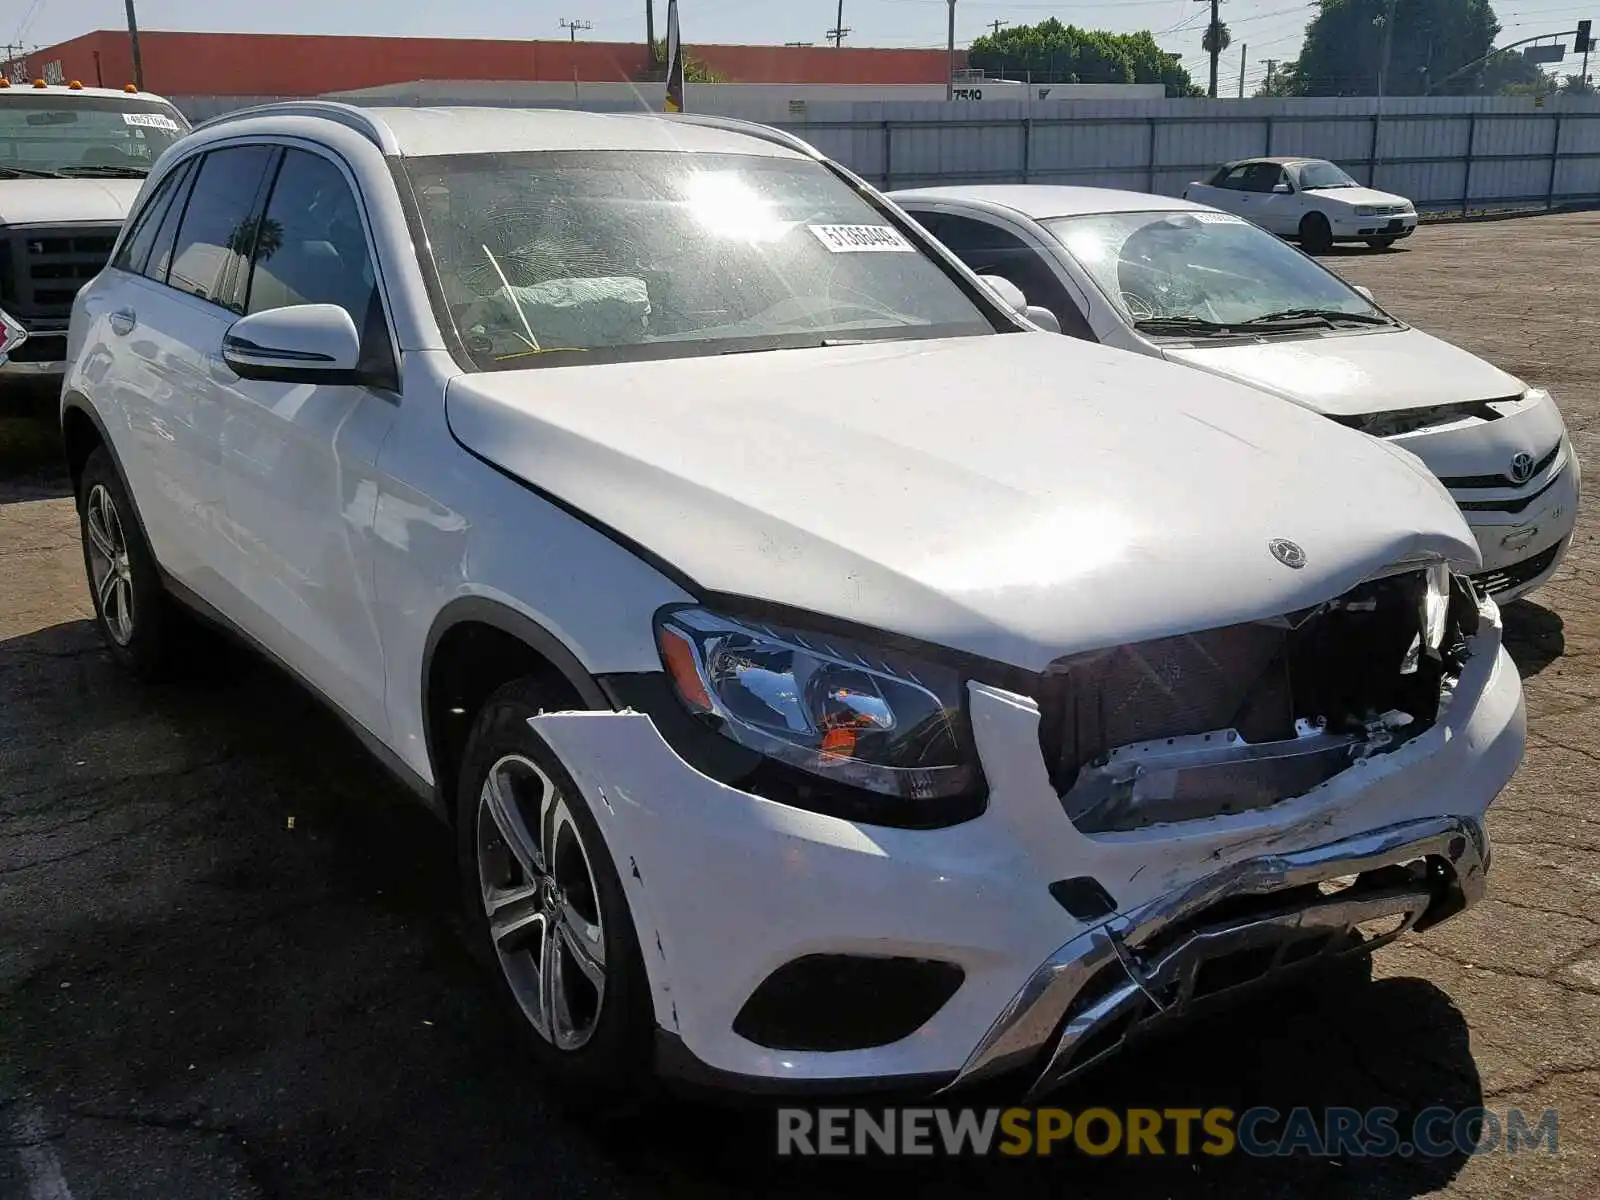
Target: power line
x: 837, y: 34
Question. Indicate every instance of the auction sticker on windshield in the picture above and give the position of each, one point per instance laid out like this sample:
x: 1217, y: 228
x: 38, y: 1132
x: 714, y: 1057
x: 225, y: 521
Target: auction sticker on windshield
x: 150, y: 121
x: 1206, y: 218
x: 858, y: 239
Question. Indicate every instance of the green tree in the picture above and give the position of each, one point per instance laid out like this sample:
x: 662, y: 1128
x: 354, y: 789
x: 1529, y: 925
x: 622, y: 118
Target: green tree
x: 1051, y: 52
x: 1512, y: 75
x: 694, y: 71
x: 1282, y: 82
x: 1216, y: 38
x: 1431, y: 39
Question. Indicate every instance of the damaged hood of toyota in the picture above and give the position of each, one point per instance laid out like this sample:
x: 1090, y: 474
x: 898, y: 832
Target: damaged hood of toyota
x: 1016, y: 497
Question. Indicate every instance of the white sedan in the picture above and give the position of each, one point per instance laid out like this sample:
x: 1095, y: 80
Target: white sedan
x: 1309, y: 199
x: 1175, y: 280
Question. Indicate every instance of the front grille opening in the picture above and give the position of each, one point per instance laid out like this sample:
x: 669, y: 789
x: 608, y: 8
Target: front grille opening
x: 1233, y: 970
x: 1242, y: 717
x: 1305, y: 948
x: 846, y: 1001
x: 1498, y: 583
x: 44, y: 269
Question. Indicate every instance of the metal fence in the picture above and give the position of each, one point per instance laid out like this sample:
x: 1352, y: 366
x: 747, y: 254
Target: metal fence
x: 1447, y: 154
x: 1510, y: 156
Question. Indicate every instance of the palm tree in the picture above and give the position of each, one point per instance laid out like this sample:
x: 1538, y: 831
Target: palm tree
x: 1216, y: 40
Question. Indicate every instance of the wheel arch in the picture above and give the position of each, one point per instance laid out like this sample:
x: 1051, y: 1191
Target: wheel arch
x: 476, y: 645
x: 83, y: 431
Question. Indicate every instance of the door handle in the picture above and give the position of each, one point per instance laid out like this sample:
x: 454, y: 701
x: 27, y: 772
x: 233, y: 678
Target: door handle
x: 122, y: 321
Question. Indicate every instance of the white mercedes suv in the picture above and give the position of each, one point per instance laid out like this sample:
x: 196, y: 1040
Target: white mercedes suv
x: 802, y: 721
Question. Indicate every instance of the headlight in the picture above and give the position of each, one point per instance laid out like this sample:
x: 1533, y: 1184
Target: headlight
x: 845, y: 712
x: 1436, y: 606
x: 1366, y: 210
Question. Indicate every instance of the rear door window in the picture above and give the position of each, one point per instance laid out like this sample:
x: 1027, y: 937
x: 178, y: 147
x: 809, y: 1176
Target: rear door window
x: 135, y: 250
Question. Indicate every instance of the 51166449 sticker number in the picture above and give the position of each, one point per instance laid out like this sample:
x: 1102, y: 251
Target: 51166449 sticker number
x: 861, y: 239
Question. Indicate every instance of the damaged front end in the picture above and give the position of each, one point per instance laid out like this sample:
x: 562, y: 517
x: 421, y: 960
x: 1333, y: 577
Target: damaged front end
x: 1242, y: 717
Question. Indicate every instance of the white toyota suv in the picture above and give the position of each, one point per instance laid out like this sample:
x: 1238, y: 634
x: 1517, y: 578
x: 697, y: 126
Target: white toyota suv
x: 801, y: 723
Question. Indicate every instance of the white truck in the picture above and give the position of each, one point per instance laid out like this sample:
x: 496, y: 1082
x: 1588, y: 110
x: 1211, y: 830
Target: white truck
x: 72, y: 159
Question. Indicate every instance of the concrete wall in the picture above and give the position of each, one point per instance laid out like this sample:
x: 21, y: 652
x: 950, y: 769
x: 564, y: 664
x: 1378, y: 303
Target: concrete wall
x: 1444, y: 153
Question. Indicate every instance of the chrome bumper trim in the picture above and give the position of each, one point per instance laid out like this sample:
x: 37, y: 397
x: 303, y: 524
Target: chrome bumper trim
x: 1057, y: 1002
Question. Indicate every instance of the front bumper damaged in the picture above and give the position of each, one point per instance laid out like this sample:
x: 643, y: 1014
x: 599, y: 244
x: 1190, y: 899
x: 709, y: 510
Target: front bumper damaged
x: 1160, y: 961
x: 726, y: 888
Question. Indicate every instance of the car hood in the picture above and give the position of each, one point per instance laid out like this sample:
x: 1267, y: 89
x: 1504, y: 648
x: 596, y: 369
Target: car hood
x: 57, y: 201
x: 1356, y: 195
x: 1347, y: 374
x: 1014, y: 496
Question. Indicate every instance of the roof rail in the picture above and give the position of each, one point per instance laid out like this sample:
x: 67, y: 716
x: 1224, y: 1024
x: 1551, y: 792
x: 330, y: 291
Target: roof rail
x: 348, y: 115
x: 766, y: 133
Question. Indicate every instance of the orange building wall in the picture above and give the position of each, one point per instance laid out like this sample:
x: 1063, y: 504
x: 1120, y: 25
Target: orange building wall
x: 224, y: 64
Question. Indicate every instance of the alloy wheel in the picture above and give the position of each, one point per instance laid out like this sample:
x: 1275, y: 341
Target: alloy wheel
x: 110, y: 572
x: 539, y: 893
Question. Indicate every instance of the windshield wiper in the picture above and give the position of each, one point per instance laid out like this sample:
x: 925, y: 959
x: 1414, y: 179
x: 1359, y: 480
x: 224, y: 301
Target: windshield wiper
x: 6, y: 169
x: 1317, y: 314
x: 103, y: 171
x: 1195, y: 325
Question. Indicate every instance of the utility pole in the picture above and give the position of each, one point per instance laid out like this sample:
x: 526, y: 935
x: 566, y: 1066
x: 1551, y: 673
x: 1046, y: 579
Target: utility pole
x: 133, y: 46
x: 838, y: 31
x: 1388, y: 45
x: 1272, y: 73
x: 572, y: 27
x: 1216, y: 50
x: 950, y: 66
x: 650, y: 26
x: 1242, y: 49
x: 997, y: 25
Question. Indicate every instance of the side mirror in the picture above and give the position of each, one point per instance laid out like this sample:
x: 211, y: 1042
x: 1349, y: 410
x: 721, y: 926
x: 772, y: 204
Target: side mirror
x: 1009, y: 293
x: 1282, y: 189
x: 304, y: 343
x: 1043, y: 318
x: 1364, y: 292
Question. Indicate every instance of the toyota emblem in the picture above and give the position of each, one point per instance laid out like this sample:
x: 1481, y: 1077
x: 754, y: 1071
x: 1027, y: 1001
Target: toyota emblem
x: 1521, y: 468
x: 1288, y: 553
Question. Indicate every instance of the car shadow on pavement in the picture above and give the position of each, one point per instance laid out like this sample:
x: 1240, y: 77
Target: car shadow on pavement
x: 1342, y: 1043
x: 222, y: 924
x: 1534, y: 636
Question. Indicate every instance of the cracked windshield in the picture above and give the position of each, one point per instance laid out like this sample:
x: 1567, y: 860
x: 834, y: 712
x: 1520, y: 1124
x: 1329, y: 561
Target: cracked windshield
x: 1207, y: 267
x: 82, y: 136
x: 543, y: 257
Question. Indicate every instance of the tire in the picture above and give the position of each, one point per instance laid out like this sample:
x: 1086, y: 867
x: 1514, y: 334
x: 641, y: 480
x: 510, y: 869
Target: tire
x: 1316, y: 235
x: 596, y: 1047
x: 142, y: 626
x: 1382, y: 243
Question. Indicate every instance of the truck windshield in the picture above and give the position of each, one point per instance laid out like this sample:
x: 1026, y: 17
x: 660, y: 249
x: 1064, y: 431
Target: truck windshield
x: 69, y: 134
x: 548, y: 258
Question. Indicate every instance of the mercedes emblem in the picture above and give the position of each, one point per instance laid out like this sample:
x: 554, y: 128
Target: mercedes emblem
x: 1288, y: 553
x: 1521, y: 468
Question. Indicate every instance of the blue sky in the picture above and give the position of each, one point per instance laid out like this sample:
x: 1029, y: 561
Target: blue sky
x: 1267, y: 28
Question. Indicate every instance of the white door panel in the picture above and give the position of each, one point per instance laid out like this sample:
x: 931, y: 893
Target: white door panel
x: 301, y: 494
x: 161, y: 387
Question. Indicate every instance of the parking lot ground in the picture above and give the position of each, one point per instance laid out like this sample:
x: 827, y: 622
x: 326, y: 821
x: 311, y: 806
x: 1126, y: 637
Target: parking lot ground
x: 229, y: 965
